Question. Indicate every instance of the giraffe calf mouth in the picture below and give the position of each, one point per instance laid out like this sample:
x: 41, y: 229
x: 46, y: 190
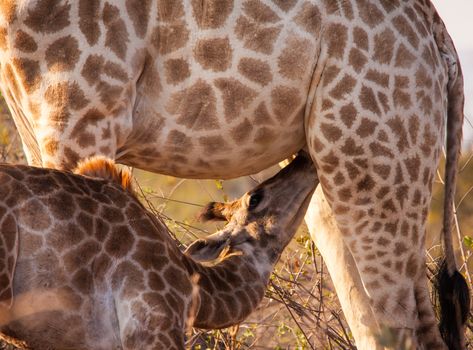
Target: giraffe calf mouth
x: 297, y: 218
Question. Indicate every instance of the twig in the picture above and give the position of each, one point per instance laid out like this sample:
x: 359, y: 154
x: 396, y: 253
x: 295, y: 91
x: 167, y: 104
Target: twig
x: 292, y: 315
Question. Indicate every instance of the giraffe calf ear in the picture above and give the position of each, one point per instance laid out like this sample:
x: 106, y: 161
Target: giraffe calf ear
x: 209, y: 248
x: 214, y: 211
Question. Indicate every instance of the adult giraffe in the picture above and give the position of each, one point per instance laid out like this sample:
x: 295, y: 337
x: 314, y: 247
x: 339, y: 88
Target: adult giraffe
x: 219, y: 89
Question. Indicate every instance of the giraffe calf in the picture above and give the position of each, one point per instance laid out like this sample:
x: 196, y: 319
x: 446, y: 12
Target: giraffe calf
x: 83, y: 265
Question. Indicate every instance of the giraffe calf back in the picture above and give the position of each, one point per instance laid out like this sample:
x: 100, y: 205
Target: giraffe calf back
x: 75, y: 261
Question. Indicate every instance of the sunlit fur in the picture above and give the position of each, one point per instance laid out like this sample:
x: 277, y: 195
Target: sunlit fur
x: 105, y: 168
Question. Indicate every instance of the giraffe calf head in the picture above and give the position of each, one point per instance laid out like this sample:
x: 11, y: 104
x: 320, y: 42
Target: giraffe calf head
x: 263, y: 219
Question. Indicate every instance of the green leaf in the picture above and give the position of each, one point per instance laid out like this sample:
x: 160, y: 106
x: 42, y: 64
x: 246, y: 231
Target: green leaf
x: 468, y: 242
x: 219, y: 184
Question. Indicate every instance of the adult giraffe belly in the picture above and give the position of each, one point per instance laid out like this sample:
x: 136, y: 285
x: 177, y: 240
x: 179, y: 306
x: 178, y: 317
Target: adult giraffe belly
x: 215, y: 112
x: 197, y: 134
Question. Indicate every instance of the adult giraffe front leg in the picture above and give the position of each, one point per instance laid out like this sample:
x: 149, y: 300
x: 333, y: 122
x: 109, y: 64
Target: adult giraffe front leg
x: 72, y: 89
x: 345, y: 277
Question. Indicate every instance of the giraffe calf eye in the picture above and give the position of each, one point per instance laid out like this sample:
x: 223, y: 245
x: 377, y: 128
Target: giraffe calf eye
x: 255, y: 199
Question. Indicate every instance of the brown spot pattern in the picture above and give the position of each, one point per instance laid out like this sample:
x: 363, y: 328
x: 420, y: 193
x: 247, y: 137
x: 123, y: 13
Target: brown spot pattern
x: 413, y: 167
x: 411, y: 266
x: 48, y: 16
x: 382, y: 170
x: 62, y: 54
x: 293, y: 60
x: 51, y: 146
x: 261, y: 116
x: 400, y: 96
x: 35, y: 216
x: 116, y: 38
x: 66, y: 94
x: 397, y: 126
x: 378, y: 150
x: 348, y: 114
x: 79, y: 132
x: 169, y: 38
x: 377, y: 77
x: 259, y: 12
x: 337, y: 36
x: 170, y: 10
x: 62, y: 206
x: 368, y: 100
x: 115, y: 70
x: 214, y: 54
x: 309, y: 18
x: 3, y: 38
x: 343, y: 87
x: 404, y: 58
x: 366, y: 128
x: 139, y: 10
x: 360, y: 37
x: 369, y: 13
x: 213, y: 144
x: 264, y: 136
x: 384, y: 46
x: 195, y: 107
x: 24, y: 42
x: 109, y: 94
x: 120, y: 242
x: 256, y: 37
x: 330, y: 73
x: 179, y: 142
x: 366, y: 184
x: 211, y: 13
x: 89, y: 20
x: 330, y: 162
x: 29, y: 73
x: 284, y: 101
x: 151, y: 81
x: 255, y: 70
x: 331, y: 132
x: 236, y: 96
x: 242, y: 131
x: 285, y: 5
x: 357, y: 59
x: 405, y: 29
x: 92, y: 69
x: 176, y: 70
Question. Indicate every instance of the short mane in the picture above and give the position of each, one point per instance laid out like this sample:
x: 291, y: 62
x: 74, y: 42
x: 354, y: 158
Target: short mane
x: 105, y: 168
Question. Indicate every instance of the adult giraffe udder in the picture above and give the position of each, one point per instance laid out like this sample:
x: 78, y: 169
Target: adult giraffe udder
x: 222, y: 89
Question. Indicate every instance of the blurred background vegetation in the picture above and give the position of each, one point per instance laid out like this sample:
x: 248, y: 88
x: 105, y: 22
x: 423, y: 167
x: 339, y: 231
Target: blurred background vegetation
x: 301, y: 310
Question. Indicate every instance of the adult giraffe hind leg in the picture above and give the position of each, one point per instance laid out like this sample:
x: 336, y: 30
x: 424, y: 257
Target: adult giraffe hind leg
x: 375, y: 134
x: 427, y: 326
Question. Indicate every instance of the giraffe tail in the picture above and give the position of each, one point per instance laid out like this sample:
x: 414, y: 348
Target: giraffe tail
x: 454, y: 300
x: 452, y: 288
